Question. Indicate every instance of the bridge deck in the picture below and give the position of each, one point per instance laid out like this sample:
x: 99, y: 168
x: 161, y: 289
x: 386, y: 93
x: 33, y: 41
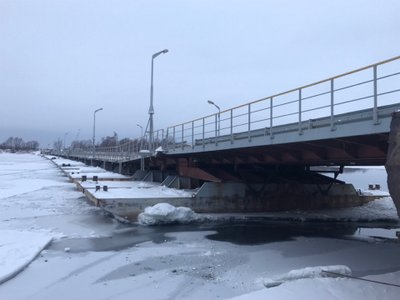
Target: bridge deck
x: 340, y: 120
x: 355, y: 139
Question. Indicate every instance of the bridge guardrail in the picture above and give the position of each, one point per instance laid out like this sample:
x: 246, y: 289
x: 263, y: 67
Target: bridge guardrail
x: 124, y: 152
x: 366, y: 88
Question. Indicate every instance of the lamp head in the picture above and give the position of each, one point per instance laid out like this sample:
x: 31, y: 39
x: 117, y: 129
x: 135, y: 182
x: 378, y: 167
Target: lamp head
x: 212, y: 103
x: 158, y: 53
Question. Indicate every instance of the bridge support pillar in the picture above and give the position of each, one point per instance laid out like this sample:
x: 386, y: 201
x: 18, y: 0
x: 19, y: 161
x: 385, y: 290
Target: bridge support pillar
x: 393, y: 161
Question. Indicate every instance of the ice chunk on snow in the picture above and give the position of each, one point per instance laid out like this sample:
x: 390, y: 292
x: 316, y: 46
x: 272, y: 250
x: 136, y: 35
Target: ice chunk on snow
x: 164, y: 213
x: 18, y: 249
x: 309, y: 272
x: 159, y: 149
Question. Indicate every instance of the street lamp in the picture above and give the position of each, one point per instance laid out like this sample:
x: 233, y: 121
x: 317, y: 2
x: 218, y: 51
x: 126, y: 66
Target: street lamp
x: 141, y: 130
x: 94, y: 130
x: 65, y: 134
x: 219, y: 113
x: 151, y: 108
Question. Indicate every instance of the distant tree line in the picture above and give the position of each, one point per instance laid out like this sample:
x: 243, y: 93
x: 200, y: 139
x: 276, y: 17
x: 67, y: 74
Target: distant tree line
x: 18, y: 144
x: 108, y: 141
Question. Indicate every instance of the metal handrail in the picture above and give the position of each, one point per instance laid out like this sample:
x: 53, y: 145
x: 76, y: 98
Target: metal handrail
x: 293, y: 109
x: 302, y: 87
x: 275, y: 112
x: 123, y: 152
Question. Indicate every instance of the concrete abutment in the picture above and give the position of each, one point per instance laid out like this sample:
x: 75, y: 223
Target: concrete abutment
x: 393, y: 161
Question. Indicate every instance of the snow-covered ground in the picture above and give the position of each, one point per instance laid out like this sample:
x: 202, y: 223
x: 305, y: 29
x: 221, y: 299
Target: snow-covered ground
x: 18, y: 249
x: 92, y: 256
x: 77, y: 169
x: 138, y: 190
x: 116, y: 189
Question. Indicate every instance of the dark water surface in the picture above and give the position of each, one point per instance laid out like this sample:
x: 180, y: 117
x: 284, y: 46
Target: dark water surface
x: 240, y: 233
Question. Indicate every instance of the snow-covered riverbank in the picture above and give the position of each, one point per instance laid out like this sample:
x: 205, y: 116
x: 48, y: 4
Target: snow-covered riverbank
x: 93, y: 256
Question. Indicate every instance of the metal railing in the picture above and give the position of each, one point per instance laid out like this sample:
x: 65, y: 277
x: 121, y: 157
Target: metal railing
x: 124, y: 152
x: 132, y: 150
x: 365, y: 88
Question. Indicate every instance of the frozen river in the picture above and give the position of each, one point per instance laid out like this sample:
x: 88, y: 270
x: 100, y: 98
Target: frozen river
x: 92, y: 256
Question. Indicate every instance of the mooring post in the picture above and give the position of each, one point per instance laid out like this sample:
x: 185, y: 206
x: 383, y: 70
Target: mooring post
x: 393, y: 161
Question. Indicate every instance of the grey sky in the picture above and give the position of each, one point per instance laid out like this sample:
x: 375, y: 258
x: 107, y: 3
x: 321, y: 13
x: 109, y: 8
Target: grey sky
x: 60, y: 60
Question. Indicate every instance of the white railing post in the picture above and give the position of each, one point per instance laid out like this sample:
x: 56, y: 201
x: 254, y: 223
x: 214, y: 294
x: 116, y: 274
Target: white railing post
x: 271, y: 117
x: 248, y: 121
x: 375, y: 109
x: 183, y: 135
x: 332, y: 105
x: 216, y: 129
x: 203, y: 133
x: 231, y: 126
x: 300, y: 125
x: 173, y: 137
x: 192, y: 134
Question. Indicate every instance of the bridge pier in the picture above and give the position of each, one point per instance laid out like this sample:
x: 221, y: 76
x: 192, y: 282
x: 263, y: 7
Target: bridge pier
x: 393, y: 161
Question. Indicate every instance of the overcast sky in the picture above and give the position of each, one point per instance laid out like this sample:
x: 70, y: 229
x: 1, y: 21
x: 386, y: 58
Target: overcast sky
x: 62, y: 59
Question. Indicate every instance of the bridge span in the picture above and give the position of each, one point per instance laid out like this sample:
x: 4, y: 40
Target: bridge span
x: 341, y: 121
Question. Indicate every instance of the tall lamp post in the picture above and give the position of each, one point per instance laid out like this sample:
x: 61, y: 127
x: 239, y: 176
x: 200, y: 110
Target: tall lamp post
x: 151, y: 108
x: 94, y: 131
x: 219, y: 113
x: 65, y: 135
x: 141, y: 138
x: 141, y: 130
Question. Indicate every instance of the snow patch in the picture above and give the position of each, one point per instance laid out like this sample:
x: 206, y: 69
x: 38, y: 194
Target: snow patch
x: 164, y: 213
x: 375, y: 193
x: 309, y: 272
x: 159, y: 149
x: 18, y: 249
